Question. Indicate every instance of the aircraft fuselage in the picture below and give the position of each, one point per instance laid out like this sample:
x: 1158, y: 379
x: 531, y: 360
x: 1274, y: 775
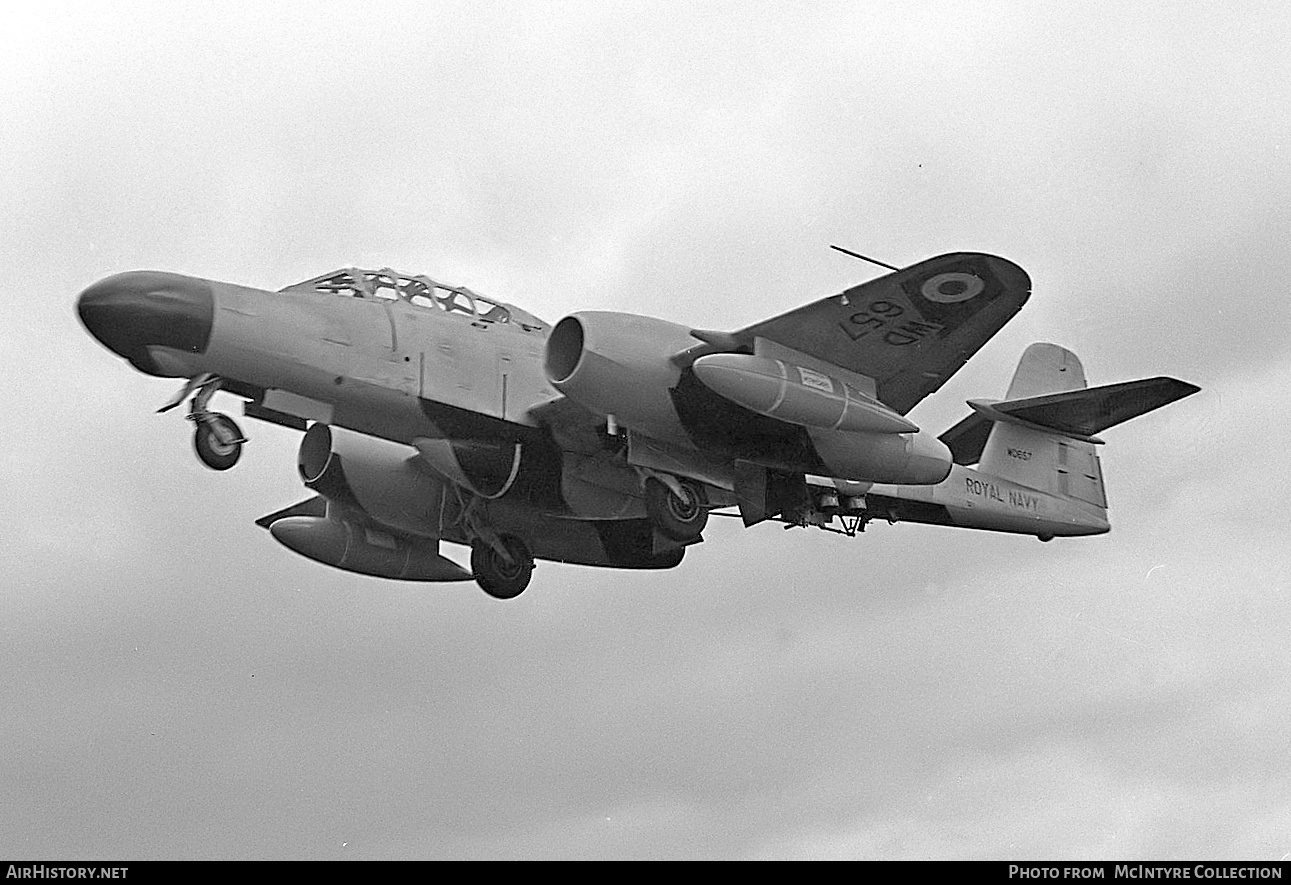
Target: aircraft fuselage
x: 433, y: 413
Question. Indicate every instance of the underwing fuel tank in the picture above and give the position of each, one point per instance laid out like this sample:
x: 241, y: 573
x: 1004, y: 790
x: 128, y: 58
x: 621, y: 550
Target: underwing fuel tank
x: 368, y: 551
x: 796, y: 394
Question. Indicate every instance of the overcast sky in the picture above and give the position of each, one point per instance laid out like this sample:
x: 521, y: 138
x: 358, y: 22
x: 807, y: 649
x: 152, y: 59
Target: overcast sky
x: 173, y: 683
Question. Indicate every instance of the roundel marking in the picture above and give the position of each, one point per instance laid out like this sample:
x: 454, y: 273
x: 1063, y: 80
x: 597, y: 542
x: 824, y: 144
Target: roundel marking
x: 951, y: 288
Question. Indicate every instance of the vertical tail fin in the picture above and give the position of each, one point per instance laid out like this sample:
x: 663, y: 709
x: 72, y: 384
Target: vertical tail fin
x: 1046, y: 368
x: 1042, y: 434
x: 1034, y: 456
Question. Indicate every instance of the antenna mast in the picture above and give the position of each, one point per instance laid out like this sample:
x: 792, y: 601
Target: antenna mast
x: 862, y: 257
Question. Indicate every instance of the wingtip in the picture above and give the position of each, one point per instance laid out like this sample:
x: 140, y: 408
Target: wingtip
x: 1177, y: 389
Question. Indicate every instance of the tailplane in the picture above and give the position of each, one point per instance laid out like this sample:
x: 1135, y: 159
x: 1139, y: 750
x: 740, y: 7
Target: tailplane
x: 1043, y: 434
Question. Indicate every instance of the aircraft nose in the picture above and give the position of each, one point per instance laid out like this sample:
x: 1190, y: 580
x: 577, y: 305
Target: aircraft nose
x: 131, y: 311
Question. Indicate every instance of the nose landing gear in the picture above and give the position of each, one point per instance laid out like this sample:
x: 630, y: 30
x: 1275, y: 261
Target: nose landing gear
x: 217, y: 438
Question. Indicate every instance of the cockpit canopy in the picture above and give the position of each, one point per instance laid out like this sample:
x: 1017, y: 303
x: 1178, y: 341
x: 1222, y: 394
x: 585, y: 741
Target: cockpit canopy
x: 419, y: 291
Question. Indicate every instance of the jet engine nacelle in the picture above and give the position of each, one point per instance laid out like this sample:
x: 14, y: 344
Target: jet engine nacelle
x: 384, y: 511
x: 620, y: 364
x: 378, y: 478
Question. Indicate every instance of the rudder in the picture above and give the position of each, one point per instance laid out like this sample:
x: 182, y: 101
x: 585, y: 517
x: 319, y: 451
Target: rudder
x: 1038, y: 458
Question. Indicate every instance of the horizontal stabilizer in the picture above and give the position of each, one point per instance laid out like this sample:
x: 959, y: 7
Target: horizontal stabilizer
x: 1091, y: 411
x: 316, y: 506
x: 967, y: 438
x: 1078, y: 414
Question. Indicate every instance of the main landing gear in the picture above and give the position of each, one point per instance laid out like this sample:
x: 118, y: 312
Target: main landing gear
x: 501, y: 563
x: 676, y: 507
x: 217, y: 438
x: 502, y: 569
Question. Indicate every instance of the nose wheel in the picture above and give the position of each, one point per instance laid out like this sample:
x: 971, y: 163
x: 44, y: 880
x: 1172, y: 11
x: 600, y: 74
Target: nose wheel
x: 218, y: 440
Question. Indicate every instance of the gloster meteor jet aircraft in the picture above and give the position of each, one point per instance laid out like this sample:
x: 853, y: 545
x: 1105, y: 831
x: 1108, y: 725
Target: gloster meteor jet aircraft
x: 433, y: 414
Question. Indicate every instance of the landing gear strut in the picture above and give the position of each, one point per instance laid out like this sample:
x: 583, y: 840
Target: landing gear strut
x: 502, y: 564
x: 502, y: 576
x: 678, y: 513
x: 217, y: 439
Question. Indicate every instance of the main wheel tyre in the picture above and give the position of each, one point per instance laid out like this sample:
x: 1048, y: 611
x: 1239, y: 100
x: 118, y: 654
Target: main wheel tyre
x: 682, y: 519
x: 218, y: 442
x: 497, y: 577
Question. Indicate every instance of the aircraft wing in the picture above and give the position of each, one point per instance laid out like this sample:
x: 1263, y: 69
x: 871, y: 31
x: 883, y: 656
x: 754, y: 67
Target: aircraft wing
x: 575, y: 428
x: 910, y: 330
